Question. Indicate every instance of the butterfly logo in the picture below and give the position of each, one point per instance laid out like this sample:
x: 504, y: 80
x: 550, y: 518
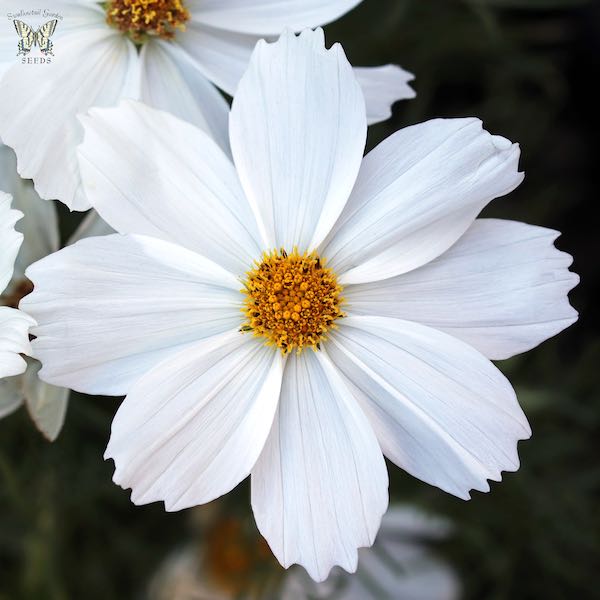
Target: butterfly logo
x: 30, y: 38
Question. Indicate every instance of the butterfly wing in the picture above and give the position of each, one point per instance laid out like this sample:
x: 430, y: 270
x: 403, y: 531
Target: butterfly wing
x: 43, y: 35
x: 27, y: 35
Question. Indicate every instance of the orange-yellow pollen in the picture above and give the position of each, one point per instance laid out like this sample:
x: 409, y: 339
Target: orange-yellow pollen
x: 292, y: 300
x: 143, y: 18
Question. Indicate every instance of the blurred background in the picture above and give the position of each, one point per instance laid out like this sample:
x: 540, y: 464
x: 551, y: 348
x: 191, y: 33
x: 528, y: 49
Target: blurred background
x: 530, y: 70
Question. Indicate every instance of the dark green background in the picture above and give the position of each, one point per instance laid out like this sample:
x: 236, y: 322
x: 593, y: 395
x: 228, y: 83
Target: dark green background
x: 530, y: 70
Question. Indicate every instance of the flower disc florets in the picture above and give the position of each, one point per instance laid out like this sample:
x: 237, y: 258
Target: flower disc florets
x: 142, y: 18
x: 291, y: 299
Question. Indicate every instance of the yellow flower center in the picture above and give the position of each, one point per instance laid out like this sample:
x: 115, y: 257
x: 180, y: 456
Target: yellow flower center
x: 142, y: 18
x: 292, y: 300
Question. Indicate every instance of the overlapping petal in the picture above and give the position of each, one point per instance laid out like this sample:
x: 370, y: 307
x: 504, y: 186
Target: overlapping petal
x: 192, y: 428
x: 171, y: 82
x: 382, y: 88
x: 14, y: 341
x: 186, y: 189
x: 319, y: 488
x: 416, y: 194
x: 298, y: 130
x: 221, y: 55
x: 112, y: 307
x: 440, y: 409
x: 502, y: 288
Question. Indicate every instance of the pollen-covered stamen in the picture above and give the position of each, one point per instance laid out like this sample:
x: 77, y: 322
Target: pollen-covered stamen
x: 142, y: 18
x: 292, y: 300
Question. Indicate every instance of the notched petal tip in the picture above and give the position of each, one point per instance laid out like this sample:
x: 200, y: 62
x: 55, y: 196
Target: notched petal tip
x: 351, y: 567
x: 309, y: 37
x: 497, y: 475
x: 503, y: 143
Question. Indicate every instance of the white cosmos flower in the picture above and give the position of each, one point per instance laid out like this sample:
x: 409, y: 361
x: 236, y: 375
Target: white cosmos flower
x: 186, y: 48
x: 399, y: 566
x: 38, y: 226
x: 431, y: 294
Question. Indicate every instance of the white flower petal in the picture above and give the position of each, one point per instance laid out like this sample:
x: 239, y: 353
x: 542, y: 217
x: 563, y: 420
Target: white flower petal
x: 11, y: 396
x: 298, y: 130
x: 77, y: 14
x: 263, y: 17
x: 416, y: 194
x: 46, y: 404
x: 112, y: 307
x: 382, y: 87
x: 319, y: 488
x: 221, y: 55
x: 39, y: 224
x: 92, y: 225
x: 10, y: 239
x: 192, y: 428
x: 502, y: 288
x: 39, y: 105
x: 14, y: 341
x: 186, y: 190
x: 440, y: 409
x: 171, y: 82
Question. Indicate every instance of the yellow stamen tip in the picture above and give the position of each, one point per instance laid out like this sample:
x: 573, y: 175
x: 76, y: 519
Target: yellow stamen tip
x: 142, y: 18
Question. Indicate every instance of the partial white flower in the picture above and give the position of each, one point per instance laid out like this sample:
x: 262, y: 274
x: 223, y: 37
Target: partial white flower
x: 169, y: 53
x: 400, y: 565
x: 14, y: 324
x: 156, y: 313
x: 46, y: 404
